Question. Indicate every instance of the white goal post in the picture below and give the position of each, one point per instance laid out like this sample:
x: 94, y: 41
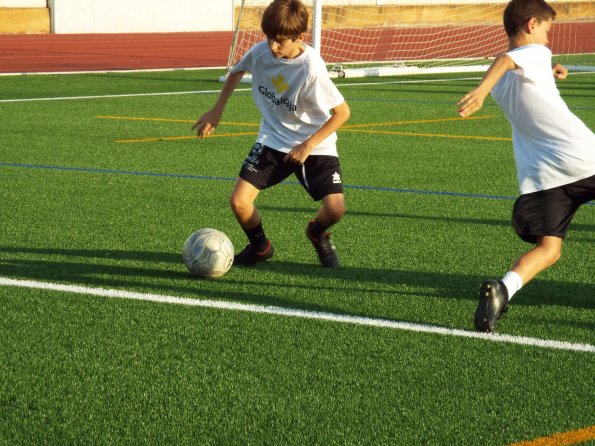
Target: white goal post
x: 392, y: 37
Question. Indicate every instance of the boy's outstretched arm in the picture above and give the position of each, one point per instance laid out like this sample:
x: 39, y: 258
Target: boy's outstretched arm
x: 473, y: 101
x: 207, y: 123
x: 559, y: 71
x: 299, y: 153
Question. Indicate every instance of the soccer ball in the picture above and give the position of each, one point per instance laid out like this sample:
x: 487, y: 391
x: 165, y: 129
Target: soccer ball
x: 208, y: 253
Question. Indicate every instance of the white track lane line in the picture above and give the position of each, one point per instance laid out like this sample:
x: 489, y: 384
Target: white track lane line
x: 305, y: 314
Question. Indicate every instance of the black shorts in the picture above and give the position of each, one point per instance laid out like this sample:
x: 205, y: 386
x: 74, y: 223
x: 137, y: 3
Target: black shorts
x: 320, y: 175
x: 549, y: 212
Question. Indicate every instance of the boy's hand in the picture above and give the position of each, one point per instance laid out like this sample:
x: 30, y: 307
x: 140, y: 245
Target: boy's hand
x: 207, y: 123
x: 471, y: 102
x: 560, y: 71
x: 298, y: 154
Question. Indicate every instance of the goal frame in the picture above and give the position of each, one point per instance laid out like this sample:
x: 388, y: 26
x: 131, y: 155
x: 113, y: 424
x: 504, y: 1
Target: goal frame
x: 405, y: 66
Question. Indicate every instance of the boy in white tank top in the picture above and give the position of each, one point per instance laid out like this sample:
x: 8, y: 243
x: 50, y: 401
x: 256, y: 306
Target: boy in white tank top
x: 554, y: 150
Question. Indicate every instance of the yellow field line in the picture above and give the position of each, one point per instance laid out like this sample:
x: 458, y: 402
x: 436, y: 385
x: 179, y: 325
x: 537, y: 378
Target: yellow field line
x: 221, y: 135
x: 247, y: 124
x: 431, y: 135
x: 421, y: 121
x: 175, y: 138
x: 346, y: 128
x: 562, y: 439
x: 128, y: 118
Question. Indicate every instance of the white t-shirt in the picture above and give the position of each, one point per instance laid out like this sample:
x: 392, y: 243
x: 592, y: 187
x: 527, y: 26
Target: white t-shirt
x: 294, y: 97
x: 552, y: 147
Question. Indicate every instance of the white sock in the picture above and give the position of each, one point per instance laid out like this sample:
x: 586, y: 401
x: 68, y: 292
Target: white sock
x: 513, y: 282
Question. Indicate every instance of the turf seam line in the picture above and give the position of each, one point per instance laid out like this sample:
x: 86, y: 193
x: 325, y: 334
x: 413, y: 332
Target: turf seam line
x: 218, y: 178
x: 304, y: 314
x: 291, y: 183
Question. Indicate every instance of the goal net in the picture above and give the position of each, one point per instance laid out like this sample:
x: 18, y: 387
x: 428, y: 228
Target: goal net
x: 392, y: 37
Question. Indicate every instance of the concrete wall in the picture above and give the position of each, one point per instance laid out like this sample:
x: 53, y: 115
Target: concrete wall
x: 394, y: 13
x: 138, y: 16
x: 23, y: 3
x: 24, y: 17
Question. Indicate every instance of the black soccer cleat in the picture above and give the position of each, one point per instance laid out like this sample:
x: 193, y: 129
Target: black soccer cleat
x: 324, y: 246
x: 493, y: 303
x: 249, y: 256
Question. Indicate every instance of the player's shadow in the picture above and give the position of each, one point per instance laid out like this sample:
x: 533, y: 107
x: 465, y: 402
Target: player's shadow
x: 140, y: 271
x: 581, y: 227
x: 444, y: 285
x: 164, y: 272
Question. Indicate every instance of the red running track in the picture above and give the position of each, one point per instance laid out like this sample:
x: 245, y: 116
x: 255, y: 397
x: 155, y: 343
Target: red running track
x: 37, y: 53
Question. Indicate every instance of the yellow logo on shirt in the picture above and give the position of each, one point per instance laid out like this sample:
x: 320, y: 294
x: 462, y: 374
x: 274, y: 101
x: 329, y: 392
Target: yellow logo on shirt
x: 279, y: 83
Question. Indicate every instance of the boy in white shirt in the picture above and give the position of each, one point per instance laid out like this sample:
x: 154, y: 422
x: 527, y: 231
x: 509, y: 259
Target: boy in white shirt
x: 554, y: 150
x: 292, y: 89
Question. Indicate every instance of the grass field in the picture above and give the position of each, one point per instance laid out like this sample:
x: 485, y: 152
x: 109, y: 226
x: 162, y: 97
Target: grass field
x: 101, y: 182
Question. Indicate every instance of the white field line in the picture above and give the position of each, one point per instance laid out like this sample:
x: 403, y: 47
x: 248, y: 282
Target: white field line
x: 305, y: 314
x: 124, y: 71
x: 105, y: 96
x: 167, y: 93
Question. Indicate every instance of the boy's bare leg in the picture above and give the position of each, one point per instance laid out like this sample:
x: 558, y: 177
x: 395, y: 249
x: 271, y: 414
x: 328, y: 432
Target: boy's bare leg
x: 242, y: 201
x: 547, y: 251
x: 494, y: 295
x: 331, y: 211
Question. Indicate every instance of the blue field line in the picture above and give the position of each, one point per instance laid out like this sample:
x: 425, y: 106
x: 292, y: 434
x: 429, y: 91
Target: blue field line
x: 430, y: 192
x: 217, y: 178
x: 116, y: 171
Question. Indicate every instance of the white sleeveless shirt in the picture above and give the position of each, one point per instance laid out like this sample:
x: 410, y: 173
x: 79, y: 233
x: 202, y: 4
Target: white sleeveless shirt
x: 294, y: 97
x: 552, y: 147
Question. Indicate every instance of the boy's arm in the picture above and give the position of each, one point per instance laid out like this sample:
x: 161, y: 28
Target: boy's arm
x: 473, y: 101
x: 207, y: 123
x: 560, y: 71
x: 300, y: 152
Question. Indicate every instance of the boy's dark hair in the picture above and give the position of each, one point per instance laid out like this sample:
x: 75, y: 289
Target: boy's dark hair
x: 285, y: 18
x: 519, y: 12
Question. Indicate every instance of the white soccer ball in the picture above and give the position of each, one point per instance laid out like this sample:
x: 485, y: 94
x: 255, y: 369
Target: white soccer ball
x: 208, y: 253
